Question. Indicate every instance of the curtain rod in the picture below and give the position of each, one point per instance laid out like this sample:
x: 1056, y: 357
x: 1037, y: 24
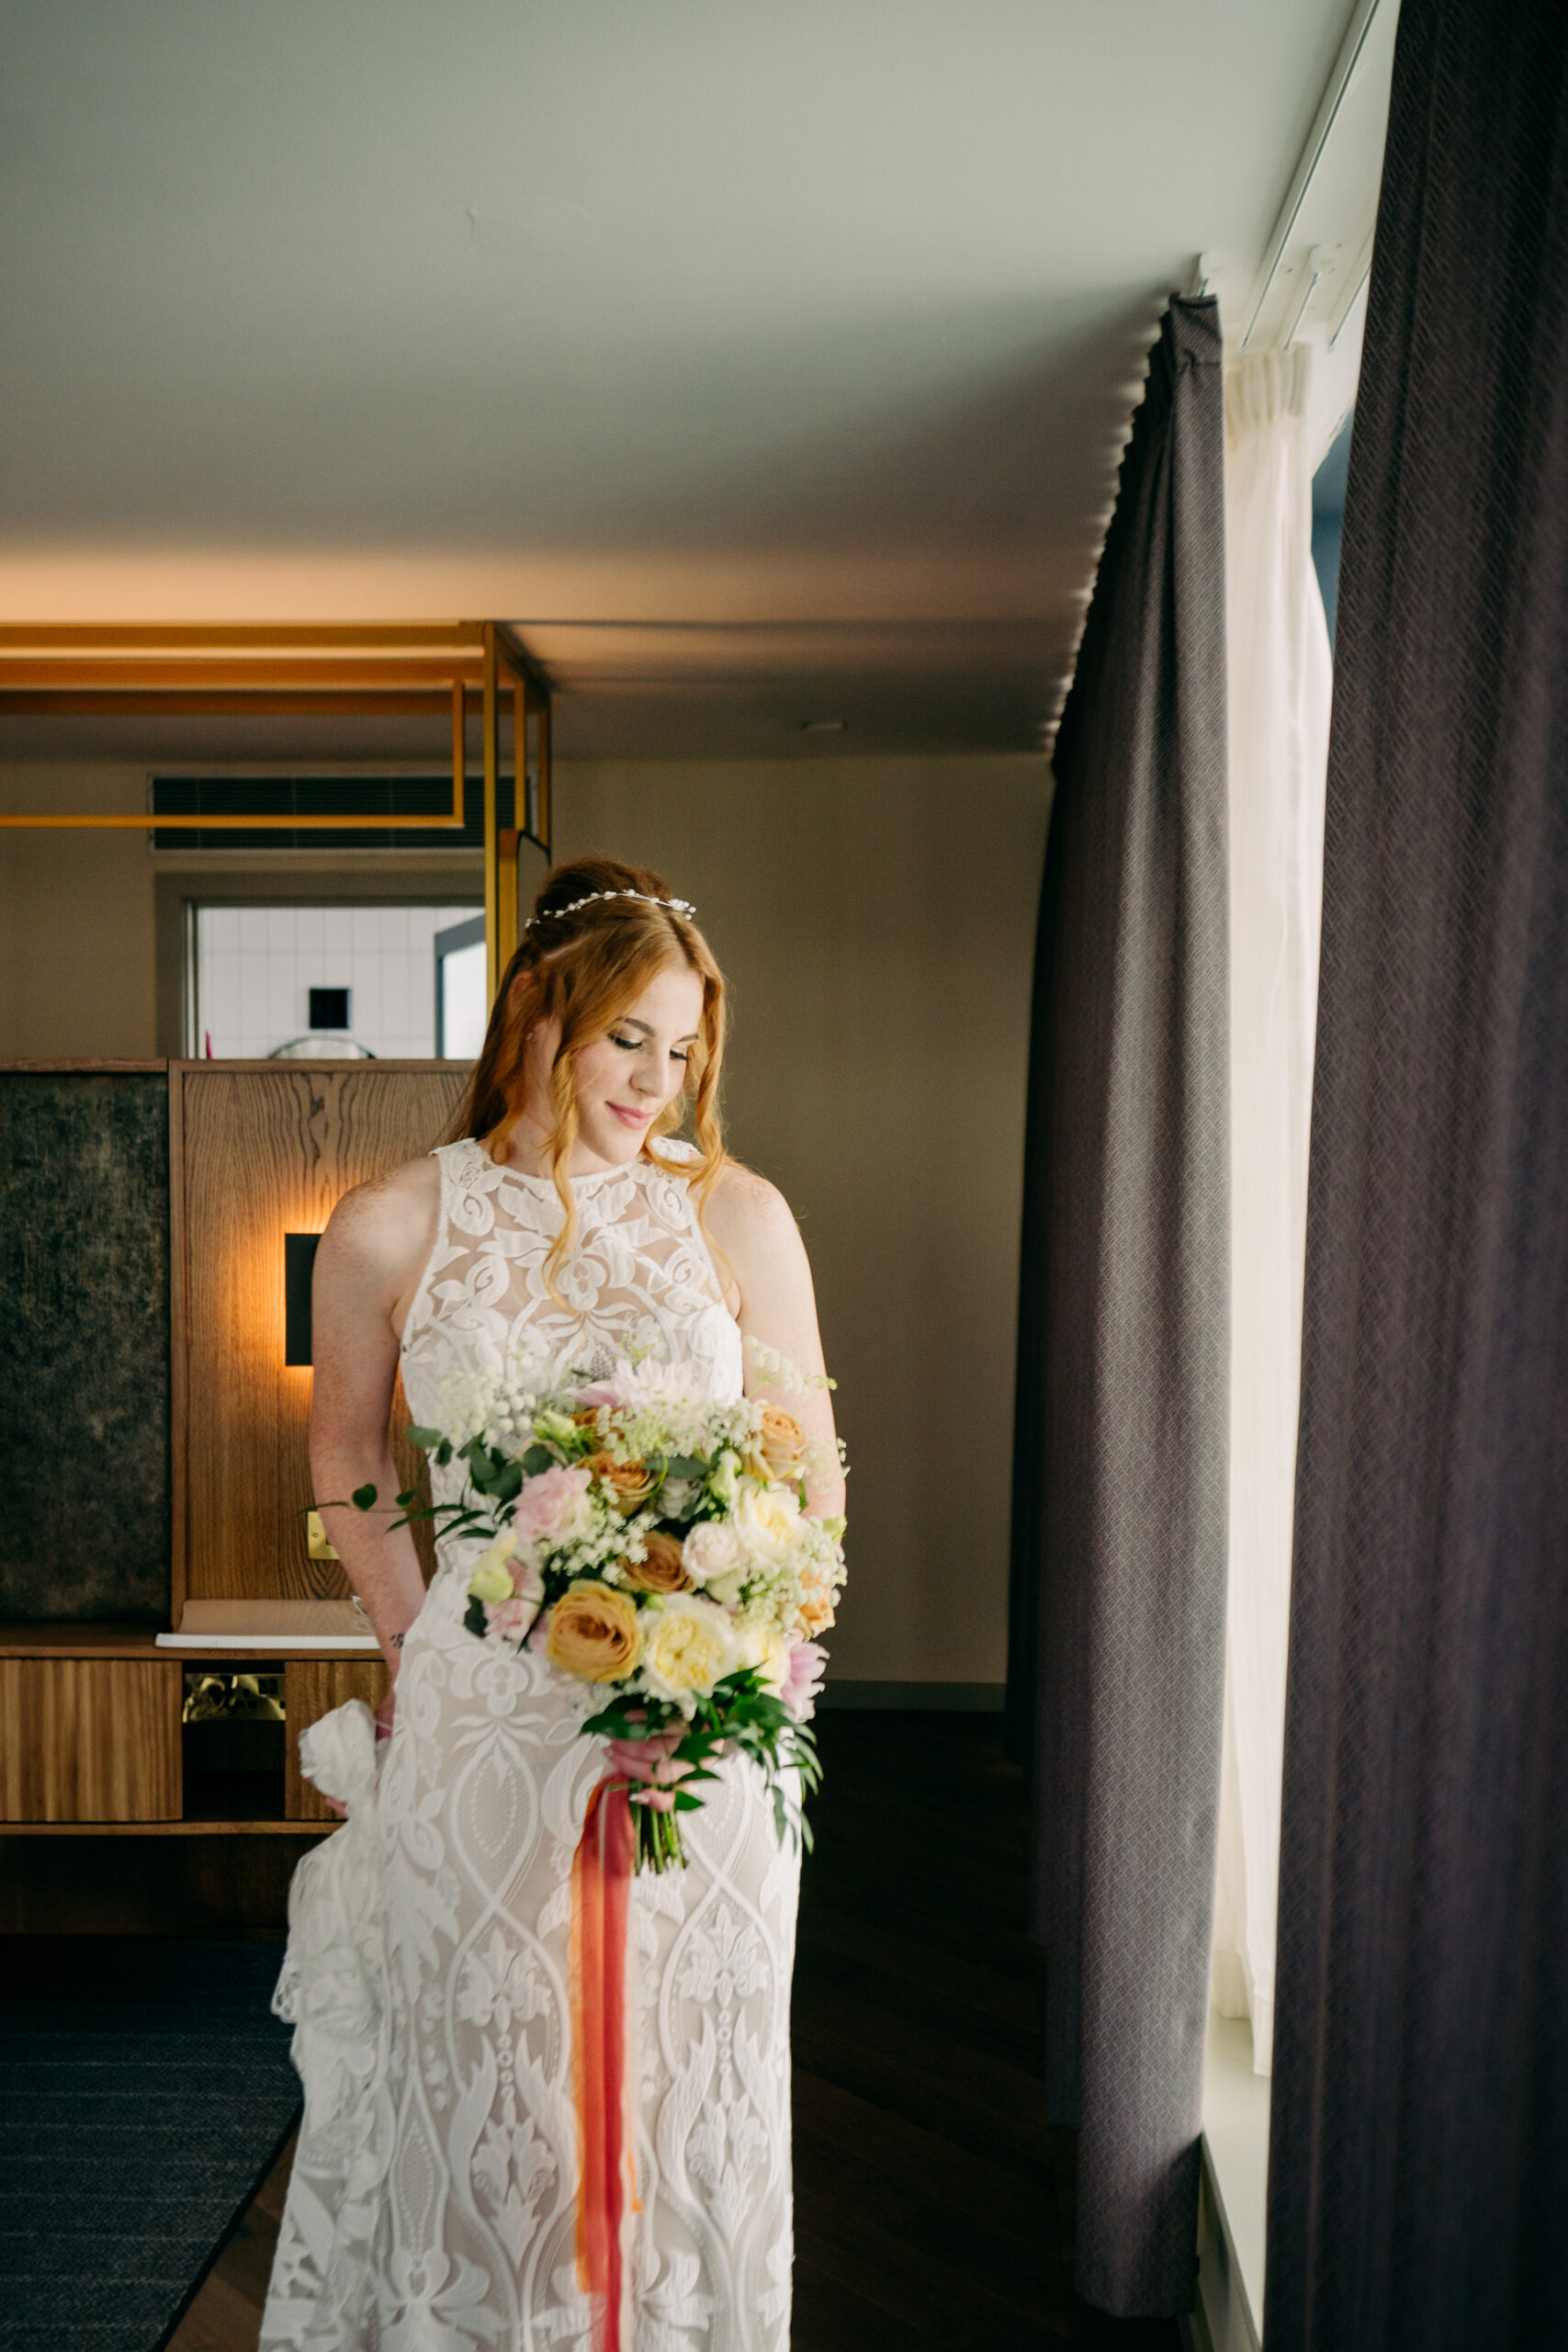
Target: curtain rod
x: 1339, y: 82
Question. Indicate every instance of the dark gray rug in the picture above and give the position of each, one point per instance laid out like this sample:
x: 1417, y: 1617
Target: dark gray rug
x: 144, y: 2092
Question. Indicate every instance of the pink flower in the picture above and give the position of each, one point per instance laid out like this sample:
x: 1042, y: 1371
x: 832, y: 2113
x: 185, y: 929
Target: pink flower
x: 807, y: 1663
x: 509, y: 1617
x: 550, y: 1506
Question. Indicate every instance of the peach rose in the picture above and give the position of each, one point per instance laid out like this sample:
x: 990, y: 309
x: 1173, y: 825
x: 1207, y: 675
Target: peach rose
x: 627, y: 1485
x: 816, y: 1613
x: 593, y: 1632
x: 661, y: 1569
x: 780, y: 1448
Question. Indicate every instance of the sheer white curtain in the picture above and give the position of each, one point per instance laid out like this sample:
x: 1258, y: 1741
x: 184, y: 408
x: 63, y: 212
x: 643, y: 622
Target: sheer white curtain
x: 1279, y: 686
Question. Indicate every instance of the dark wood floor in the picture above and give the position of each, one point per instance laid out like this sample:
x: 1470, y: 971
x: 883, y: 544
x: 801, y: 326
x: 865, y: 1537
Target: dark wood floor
x: 933, y: 2203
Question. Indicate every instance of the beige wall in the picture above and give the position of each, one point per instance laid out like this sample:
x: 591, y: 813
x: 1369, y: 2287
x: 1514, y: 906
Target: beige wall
x: 77, y: 964
x: 875, y: 919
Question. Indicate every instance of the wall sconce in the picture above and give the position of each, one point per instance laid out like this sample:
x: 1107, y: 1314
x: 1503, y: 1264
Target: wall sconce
x: 299, y: 1265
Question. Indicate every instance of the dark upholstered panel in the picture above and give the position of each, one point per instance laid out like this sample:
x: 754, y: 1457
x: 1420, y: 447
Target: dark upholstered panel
x: 84, y: 1344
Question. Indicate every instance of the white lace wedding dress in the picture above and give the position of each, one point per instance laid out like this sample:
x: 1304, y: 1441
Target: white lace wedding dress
x: 434, y: 2194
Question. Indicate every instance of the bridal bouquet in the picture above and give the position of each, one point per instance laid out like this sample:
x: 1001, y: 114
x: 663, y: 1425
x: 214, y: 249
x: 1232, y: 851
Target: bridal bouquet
x: 656, y: 1549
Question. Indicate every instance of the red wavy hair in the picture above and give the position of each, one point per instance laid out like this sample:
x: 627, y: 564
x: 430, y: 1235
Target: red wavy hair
x: 586, y: 970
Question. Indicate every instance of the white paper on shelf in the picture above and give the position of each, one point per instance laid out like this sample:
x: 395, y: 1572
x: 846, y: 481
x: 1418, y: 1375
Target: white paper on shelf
x: 269, y: 1625
x: 264, y: 1644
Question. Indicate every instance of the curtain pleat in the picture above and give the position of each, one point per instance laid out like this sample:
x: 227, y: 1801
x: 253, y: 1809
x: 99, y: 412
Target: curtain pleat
x: 1418, y: 2179
x: 1121, y: 1452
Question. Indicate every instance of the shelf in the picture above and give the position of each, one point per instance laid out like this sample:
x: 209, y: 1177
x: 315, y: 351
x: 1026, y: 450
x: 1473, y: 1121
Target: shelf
x: 143, y: 1642
x: 167, y: 1828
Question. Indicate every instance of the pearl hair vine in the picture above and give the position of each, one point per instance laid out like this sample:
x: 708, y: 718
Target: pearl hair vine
x: 553, y: 914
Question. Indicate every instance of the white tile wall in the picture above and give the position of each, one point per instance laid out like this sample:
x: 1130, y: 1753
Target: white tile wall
x: 256, y: 965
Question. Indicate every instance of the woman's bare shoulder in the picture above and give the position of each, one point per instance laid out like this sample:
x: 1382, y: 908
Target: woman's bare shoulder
x: 387, y: 1224
x: 749, y: 1217
x: 747, y: 1202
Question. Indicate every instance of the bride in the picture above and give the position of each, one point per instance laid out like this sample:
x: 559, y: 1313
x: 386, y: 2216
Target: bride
x: 432, y: 2202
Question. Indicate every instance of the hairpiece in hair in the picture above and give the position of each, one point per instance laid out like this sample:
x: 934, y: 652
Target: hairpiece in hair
x: 552, y: 914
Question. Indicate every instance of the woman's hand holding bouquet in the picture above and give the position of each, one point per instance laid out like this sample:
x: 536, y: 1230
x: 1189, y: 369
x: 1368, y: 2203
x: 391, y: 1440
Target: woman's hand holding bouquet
x: 656, y: 1549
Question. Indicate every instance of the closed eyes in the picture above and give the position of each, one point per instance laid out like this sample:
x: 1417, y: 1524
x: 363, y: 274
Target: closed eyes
x: 636, y: 1044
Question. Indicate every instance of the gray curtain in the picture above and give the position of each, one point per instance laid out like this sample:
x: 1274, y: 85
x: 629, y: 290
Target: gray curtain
x: 1418, y: 2178
x: 1119, y: 1553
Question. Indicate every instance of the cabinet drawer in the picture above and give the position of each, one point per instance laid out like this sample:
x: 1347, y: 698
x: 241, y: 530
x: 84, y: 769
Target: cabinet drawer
x: 89, y: 1739
x: 314, y: 1687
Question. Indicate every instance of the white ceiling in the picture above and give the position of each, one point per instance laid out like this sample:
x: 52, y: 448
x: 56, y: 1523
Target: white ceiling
x: 764, y: 360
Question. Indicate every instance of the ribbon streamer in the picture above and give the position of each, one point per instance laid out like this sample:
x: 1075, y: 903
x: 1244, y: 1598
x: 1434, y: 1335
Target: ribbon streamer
x: 600, y: 1885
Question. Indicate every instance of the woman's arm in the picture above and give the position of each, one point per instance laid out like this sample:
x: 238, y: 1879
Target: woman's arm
x: 367, y: 1267
x: 751, y: 1221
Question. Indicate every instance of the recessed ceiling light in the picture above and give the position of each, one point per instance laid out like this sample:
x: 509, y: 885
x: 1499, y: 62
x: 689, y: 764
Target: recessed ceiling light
x: 821, y: 725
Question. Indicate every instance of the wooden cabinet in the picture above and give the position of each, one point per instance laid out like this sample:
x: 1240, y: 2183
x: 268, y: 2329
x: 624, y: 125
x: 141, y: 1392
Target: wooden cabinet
x: 91, y: 1735
x: 89, y: 1739
x: 315, y: 1686
x: 205, y: 1455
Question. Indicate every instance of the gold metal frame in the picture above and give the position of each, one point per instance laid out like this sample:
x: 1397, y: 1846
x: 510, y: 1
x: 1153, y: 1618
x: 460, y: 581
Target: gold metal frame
x: 210, y: 670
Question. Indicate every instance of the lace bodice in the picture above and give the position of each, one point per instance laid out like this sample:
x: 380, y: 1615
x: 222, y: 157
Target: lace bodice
x: 640, y: 1271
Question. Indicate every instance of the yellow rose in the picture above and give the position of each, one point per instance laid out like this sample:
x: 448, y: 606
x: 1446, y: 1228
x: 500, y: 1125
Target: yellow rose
x: 689, y: 1646
x: 662, y: 1569
x: 779, y: 1448
x: 627, y: 1485
x: 766, y: 1524
x: 593, y: 1632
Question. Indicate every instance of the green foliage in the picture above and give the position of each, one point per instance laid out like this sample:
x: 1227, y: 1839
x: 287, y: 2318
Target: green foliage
x: 741, y: 1717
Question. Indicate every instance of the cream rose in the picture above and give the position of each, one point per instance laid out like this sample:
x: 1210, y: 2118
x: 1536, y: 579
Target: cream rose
x: 764, y: 1648
x: 593, y: 1632
x: 766, y: 1524
x: 688, y: 1646
x: 710, y: 1550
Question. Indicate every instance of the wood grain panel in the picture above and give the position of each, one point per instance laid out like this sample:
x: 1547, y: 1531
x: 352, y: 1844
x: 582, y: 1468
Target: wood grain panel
x: 89, y: 1739
x: 269, y: 1149
x: 313, y: 1686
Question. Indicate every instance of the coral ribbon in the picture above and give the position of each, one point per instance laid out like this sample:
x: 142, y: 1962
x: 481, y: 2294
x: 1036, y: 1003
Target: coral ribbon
x: 600, y: 1883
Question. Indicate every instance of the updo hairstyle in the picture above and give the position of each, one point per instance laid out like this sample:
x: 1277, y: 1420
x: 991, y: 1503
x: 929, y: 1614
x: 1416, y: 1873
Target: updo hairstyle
x: 587, y: 970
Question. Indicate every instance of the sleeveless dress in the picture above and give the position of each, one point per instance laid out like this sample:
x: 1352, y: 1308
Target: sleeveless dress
x: 432, y: 2202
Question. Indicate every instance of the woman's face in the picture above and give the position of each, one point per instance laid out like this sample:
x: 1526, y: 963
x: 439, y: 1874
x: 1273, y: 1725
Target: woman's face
x: 626, y: 1078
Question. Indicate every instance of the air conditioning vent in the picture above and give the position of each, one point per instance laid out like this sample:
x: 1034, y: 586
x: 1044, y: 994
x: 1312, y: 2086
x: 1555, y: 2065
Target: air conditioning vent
x: 335, y: 796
